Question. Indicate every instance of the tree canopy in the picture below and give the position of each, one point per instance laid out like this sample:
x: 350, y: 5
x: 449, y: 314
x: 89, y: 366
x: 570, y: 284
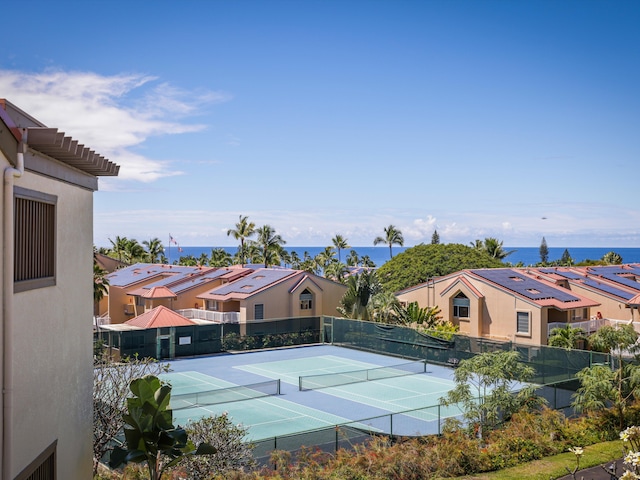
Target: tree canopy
x: 417, y: 264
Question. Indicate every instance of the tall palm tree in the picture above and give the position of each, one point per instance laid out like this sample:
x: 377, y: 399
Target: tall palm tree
x: 392, y: 236
x: 325, y: 257
x: 154, y: 249
x: 336, y: 271
x: 118, y: 247
x: 339, y: 242
x: 270, y: 243
x: 100, y: 283
x: 244, y: 229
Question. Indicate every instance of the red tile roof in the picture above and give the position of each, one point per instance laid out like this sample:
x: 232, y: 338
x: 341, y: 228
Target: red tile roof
x: 159, y: 317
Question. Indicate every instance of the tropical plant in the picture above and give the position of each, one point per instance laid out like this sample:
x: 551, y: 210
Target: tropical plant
x: 485, y: 387
x: 154, y: 249
x: 111, y: 382
x: 566, y: 259
x: 392, y: 236
x: 428, y: 317
x: 494, y: 248
x: 219, y: 258
x: 100, y: 283
x: 353, y: 259
x: 133, y: 251
x: 567, y: 337
x: 150, y: 436
x: 340, y: 243
x: 325, y: 257
x: 336, y: 271
x: 612, y: 258
x: 244, y: 230
x: 617, y: 385
x: 355, y: 301
x: 385, y: 308
x: 270, y: 243
x: 118, y: 247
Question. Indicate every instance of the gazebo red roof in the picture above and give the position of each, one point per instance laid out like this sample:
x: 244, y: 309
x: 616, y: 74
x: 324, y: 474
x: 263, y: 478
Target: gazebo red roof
x: 160, y: 316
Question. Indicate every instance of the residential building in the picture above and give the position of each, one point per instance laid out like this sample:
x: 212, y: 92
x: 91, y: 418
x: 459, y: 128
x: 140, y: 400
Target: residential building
x: 524, y: 304
x: 47, y: 240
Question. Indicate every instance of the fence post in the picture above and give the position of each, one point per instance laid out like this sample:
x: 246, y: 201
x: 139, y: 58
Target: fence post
x: 439, y: 420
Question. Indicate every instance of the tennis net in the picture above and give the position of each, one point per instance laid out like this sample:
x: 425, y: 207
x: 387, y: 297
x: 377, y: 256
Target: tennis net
x: 314, y: 382
x: 225, y: 395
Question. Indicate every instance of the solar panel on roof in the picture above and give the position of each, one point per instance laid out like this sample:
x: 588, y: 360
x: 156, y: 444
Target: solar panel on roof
x: 605, y: 287
x: 525, y: 286
x: 623, y: 280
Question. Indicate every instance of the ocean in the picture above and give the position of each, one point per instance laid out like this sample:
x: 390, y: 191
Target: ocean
x: 379, y: 255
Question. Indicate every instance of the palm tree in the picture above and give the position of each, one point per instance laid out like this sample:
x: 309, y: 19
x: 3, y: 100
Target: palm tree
x: 385, y: 306
x: 133, y: 251
x: 352, y: 259
x: 325, y: 257
x: 355, y: 301
x: 154, y: 249
x: 119, y: 246
x: 366, y: 261
x: 336, y: 271
x: 566, y: 337
x: 203, y: 259
x: 392, y: 236
x: 244, y: 229
x: 219, y: 258
x: 339, y: 242
x: 269, y: 242
x: 100, y: 283
x: 494, y: 248
x: 477, y: 244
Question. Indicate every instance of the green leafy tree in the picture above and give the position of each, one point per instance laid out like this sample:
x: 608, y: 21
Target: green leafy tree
x: 118, y: 247
x: 485, y: 387
x: 567, y: 337
x: 325, y: 257
x: 612, y: 258
x: 340, y: 243
x: 435, y: 238
x: 355, y: 301
x: 544, y: 251
x: 150, y: 436
x: 100, y: 283
x: 385, y: 308
x: 336, y: 271
x: 244, y: 230
x: 428, y: 317
x: 233, y: 453
x: 133, y: 251
x: 418, y: 264
x: 617, y: 385
x: 392, y: 236
x: 269, y: 242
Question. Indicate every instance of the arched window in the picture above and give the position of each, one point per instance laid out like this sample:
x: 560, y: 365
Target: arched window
x: 461, y: 306
x: 306, y: 300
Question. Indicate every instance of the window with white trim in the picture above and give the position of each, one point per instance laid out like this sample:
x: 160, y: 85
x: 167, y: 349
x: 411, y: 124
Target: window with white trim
x: 34, y: 239
x: 306, y: 300
x: 523, y: 323
x: 461, y: 306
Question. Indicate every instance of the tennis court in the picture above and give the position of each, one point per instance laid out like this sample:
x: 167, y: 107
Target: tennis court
x: 396, y: 385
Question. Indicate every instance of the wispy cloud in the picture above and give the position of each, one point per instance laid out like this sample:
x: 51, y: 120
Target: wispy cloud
x: 111, y: 114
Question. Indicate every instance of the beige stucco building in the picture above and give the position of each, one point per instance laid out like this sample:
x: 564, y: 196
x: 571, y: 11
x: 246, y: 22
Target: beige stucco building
x: 224, y: 295
x: 46, y: 361
x: 524, y: 304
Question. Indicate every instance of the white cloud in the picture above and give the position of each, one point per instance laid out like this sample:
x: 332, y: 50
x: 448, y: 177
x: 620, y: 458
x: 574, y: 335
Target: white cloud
x: 109, y: 114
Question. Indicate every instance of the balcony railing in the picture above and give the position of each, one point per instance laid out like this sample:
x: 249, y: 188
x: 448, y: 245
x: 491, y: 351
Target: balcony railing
x: 590, y: 326
x: 211, y: 316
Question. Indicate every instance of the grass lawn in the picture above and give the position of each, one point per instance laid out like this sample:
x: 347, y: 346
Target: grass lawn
x: 556, y: 466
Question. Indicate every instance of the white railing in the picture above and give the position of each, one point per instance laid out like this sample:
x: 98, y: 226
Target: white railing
x: 210, y: 316
x: 590, y: 326
x: 103, y: 319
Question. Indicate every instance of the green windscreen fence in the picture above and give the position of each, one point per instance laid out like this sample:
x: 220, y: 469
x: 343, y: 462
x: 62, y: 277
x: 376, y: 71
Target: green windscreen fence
x: 551, y: 364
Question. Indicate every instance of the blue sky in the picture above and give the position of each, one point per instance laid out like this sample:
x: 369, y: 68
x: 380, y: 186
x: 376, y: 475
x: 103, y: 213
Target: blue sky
x: 509, y: 119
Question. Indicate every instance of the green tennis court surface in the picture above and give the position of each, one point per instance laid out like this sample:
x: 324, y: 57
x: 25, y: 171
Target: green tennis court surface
x: 365, y: 405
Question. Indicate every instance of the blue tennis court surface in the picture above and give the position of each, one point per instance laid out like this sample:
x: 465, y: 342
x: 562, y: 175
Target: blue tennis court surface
x: 295, y: 411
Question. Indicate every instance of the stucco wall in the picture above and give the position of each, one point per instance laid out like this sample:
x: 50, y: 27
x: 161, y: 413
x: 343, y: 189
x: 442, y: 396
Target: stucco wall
x: 52, y: 347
